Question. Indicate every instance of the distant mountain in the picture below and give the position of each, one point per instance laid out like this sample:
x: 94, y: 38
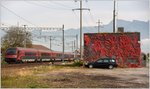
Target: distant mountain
x: 129, y: 26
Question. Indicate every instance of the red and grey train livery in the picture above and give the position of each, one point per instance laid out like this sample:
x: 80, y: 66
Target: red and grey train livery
x: 19, y: 55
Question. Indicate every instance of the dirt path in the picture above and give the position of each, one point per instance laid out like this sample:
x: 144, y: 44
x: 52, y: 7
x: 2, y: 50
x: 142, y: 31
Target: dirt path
x: 100, y: 78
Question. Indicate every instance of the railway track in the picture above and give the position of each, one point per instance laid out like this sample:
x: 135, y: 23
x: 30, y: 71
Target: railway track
x: 30, y: 64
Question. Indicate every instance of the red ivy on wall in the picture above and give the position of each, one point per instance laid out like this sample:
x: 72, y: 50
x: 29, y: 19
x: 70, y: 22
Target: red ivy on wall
x: 122, y: 46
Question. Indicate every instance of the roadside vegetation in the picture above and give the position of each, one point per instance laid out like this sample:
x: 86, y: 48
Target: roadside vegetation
x: 26, y: 77
x: 15, y: 37
x: 72, y: 75
x: 30, y: 77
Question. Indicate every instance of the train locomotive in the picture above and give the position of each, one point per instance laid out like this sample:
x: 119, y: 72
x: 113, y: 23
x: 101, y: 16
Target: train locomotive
x: 20, y: 55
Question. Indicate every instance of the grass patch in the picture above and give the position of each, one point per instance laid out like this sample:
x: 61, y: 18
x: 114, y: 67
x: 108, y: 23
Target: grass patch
x: 44, y: 69
x: 29, y: 78
x: 78, y: 63
x: 26, y: 77
x: 22, y: 82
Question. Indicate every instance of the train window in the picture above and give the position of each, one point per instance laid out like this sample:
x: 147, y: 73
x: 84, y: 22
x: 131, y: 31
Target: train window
x: 30, y: 53
x: 45, y: 54
x: 58, y: 55
x: 11, y: 51
x: 66, y: 55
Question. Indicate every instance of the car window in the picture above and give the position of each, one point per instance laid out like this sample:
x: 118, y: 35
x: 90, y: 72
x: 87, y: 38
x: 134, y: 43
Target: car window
x: 100, y: 61
x: 105, y: 60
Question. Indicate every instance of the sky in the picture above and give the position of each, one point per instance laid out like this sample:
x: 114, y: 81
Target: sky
x: 55, y: 13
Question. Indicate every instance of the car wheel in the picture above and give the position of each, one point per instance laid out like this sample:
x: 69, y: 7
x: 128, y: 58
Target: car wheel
x: 90, y: 66
x: 110, y: 66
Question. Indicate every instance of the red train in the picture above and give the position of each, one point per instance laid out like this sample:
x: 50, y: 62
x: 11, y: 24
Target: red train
x: 20, y: 55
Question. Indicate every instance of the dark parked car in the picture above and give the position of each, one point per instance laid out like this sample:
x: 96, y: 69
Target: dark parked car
x: 103, y: 63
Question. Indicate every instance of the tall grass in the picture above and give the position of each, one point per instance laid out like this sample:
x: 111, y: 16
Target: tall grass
x: 22, y: 82
x: 29, y: 77
x: 26, y: 77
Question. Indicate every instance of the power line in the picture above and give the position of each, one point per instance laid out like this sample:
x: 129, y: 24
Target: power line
x: 76, y: 18
x: 17, y: 15
x: 92, y: 17
x: 41, y: 5
x: 85, y: 20
x: 57, y: 3
x: 88, y: 24
x: 81, y: 9
x: 99, y: 25
x: 90, y: 13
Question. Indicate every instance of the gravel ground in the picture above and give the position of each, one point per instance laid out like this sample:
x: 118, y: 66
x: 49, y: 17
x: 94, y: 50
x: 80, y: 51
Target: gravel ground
x: 80, y: 77
x: 99, y: 78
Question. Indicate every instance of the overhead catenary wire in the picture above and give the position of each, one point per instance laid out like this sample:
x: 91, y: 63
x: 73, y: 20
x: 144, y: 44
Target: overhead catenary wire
x: 21, y: 18
x: 88, y: 24
x: 58, y: 43
x: 60, y: 4
x: 76, y: 16
x: 5, y: 24
x: 85, y: 20
x: 34, y: 35
x: 18, y: 15
x: 90, y: 13
x: 45, y: 6
x: 92, y: 18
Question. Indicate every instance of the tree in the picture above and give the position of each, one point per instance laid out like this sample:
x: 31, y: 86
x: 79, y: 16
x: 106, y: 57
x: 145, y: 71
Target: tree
x: 16, y: 37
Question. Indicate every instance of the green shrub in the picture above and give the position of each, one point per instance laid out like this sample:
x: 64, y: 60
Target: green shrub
x: 78, y: 63
x: 3, y: 62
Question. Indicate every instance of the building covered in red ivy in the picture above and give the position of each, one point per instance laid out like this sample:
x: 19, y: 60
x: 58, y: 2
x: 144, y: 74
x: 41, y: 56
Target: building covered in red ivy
x: 124, y: 47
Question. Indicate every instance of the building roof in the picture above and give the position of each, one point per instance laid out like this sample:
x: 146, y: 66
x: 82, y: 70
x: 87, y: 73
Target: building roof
x: 40, y: 47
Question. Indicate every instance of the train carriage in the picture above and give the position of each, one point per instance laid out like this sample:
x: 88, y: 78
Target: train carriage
x: 19, y: 55
x: 45, y: 55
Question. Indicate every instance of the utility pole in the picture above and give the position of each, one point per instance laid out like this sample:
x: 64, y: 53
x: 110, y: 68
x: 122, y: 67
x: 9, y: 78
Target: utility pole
x: 50, y: 44
x: 18, y: 24
x: 98, y: 26
x: 76, y: 42
x: 74, y: 48
x: 25, y: 36
x: 63, y: 48
x: 114, y: 17
x: 81, y: 9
